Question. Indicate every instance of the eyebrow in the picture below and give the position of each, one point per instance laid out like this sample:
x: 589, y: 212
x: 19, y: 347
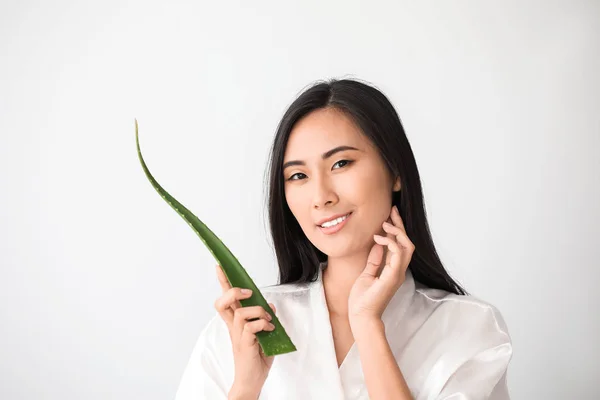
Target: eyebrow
x: 324, y: 156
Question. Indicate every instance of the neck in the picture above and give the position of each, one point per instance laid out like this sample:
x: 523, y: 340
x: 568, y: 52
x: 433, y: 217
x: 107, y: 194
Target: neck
x: 338, y: 279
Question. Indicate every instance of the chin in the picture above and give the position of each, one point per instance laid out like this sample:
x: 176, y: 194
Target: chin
x: 336, y: 250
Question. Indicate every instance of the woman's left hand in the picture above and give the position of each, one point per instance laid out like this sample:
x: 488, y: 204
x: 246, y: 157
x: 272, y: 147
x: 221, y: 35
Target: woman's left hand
x: 371, y: 293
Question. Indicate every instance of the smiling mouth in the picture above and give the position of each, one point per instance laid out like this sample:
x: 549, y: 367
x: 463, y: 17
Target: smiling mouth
x: 334, y: 222
x: 331, y: 227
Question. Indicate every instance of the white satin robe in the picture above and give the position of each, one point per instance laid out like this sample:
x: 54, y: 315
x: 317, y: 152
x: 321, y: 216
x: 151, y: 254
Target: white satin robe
x: 447, y: 347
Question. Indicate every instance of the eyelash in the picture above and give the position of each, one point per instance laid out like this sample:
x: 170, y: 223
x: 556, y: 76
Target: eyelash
x: 348, y: 162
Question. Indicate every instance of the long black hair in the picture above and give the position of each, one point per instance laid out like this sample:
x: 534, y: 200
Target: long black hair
x: 369, y: 108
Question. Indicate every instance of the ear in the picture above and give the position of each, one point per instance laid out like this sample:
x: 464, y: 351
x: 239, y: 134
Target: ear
x: 397, y: 186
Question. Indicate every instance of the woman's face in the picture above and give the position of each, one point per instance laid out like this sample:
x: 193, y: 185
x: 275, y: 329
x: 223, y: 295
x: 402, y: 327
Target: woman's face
x: 322, y: 182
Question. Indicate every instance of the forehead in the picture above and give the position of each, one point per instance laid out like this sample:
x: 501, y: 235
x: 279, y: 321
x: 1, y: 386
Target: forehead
x: 322, y: 130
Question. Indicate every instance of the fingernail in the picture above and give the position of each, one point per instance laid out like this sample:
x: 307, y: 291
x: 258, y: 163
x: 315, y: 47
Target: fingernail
x: 271, y: 326
x: 246, y: 291
x: 269, y: 318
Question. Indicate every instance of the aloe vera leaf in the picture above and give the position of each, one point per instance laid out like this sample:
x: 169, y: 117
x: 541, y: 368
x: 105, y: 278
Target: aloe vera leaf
x: 272, y: 342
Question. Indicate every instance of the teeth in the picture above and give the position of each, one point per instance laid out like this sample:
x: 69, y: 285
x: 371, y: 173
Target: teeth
x: 334, y: 222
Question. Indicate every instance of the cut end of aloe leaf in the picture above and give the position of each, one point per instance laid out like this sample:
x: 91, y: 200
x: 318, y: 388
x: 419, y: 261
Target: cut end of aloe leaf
x: 273, y: 343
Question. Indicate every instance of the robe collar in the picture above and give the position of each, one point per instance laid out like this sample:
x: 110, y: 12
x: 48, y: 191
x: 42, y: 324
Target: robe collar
x: 351, y: 378
x: 395, y: 309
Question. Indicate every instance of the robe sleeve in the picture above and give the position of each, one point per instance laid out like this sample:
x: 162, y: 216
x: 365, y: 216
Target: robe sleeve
x: 204, y: 377
x: 481, y: 377
x: 481, y: 374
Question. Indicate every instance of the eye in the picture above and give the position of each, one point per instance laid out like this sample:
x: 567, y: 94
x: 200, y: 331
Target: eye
x: 299, y: 175
x: 347, y: 162
x: 291, y: 178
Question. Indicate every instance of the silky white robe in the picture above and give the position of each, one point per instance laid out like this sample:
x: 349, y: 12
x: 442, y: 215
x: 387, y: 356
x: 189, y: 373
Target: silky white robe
x: 447, y: 347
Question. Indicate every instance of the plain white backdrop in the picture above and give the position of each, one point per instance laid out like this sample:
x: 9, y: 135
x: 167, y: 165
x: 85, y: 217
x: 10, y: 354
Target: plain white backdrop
x: 104, y: 288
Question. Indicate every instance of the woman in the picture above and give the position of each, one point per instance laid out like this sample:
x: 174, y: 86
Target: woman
x: 363, y: 294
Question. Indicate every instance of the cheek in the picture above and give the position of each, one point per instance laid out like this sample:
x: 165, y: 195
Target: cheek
x: 369, y: 188
x: 297, y: 206
x: 291, y: 198
x: 375, y: 202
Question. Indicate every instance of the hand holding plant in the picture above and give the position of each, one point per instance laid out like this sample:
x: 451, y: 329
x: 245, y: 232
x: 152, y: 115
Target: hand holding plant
x: 272, y: 342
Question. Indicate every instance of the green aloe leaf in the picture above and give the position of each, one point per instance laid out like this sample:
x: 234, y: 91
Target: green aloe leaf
x: 272, y: 342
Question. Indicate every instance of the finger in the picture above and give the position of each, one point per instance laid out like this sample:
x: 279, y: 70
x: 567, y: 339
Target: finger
x: 250, y: 329
x: 399, y: 260
x: 374, y: 260
x: 392, y: 230
x: 388, y: 253
x: 399, y: 235
x: 389, y: 242
x: 226, y: 314
x: 397, y: 219
x: 230, y: 300
x: 390, y: 274
x: 406, y: 245
x: 242, y: 315
x: 273, y: 307
x: 225, y: 285
x: 253, y: 312
x: 393, y: 247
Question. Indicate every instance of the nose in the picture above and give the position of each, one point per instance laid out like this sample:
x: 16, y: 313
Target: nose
x: 324, y: 194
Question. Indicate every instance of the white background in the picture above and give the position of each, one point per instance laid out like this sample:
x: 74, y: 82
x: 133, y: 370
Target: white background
x: 104, y: 288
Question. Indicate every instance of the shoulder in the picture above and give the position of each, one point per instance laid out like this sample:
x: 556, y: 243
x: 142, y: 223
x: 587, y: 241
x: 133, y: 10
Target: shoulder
x: 460, y: 344
x: 467, y: 316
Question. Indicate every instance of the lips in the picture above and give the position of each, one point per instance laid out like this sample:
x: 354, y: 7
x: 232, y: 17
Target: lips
x: 336, y: 228
x: 331, y: 218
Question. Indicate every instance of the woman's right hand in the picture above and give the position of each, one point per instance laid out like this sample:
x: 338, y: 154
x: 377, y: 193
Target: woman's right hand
x: 251, y: 365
